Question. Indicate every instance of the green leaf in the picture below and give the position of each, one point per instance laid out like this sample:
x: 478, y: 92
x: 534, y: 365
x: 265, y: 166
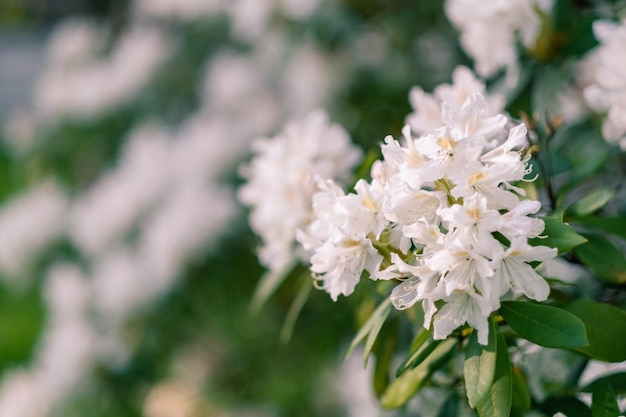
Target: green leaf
x: 479, y: 367
x: 450, y: 407
x: 372, y: 335
x: 521, y: 396
x: 590, y: 203
x: 606, y: 327
x: 373, y: 323
x: 617, y: 381
x: 295, y: 310
x: 604, y: 403
x: 558, y: 235
x: 613, y: 225
x: 603, y: 258
x: 384, y: 349
x: 570, y: 406
x: 419, y: 354
x: 497, y: 402
x: 268, y: 284
x: 403, y: 388
x: 544, y: 325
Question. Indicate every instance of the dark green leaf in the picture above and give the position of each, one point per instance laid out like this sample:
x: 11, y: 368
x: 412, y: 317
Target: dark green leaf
x: 521, y: 395
x: 373, y: 335
x: 558, y: 235
x: 606, y: 327
x: 403, y: 388
x: 419, y: 354
x: 616, y: 380
x: 603, y: 402
x: 613, y: 225
x: 373, y: 323
x: 603, y: 258
x: 570, y: 406
x: 497, y: 403
x: 450, y: 407
x: 295, y: 310
x: 268, y: 284
x: 480, y: 366
x: 544, y: 325
x: 384, y: 349
x: 591, y: 203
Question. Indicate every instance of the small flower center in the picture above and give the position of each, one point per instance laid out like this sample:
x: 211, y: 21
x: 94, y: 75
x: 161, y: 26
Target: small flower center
x: 475, y: 177
x: 446, y: 143
x: 369, y: 203
x: 474, y: 213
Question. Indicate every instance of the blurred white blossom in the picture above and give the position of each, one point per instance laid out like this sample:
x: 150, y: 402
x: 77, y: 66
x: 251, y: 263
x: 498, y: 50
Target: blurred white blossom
x: 606, y: 93
x: 86, y: 86
x: 30, y: 222
x: 491, y: 30
x: 281, y: 179
x: 64, y: 354
x: 178, y: 9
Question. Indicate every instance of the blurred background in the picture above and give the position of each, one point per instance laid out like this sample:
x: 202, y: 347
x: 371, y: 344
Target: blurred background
x: 126, y: 263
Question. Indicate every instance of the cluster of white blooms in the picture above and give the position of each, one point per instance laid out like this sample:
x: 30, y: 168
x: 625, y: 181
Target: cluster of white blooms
x: 79, y: 83
x: 250, y: 18
x: 65, y: 352
x: 177, y: 9
x: 29, y: 223
x: 490, y: 31
x: 441, y: 215
x: 175, y: 209
x: 426, y: 115
x: 282, y: 179
x: 162, y: 200
x: 606, y: 93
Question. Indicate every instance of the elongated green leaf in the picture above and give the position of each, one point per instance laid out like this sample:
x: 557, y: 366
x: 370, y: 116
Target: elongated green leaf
x: 268, y: 284
x: 613, y: 225
x: 558, y: 235
x: 606, y: 327
x: 590, y: 203
x: 603, y: 258
x: 544, y: 325
x: 384, y: 349
x: 372, y: 336
x: 617, y: 381
x: 497, y: 402
x: 603, y: 403
x: 521, y: 400
x: 420, y: 338
x: 373, y: 323
x: 419, y: 354
x: 479, y: 367
x: 295, y: 310
x: 403, y: 388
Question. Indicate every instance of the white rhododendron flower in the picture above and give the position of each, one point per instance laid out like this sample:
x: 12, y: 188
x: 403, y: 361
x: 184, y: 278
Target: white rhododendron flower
x: 606, y: 93
x: 491, y: 31
x: 282, y: 180
x: 426, y: 115
x: 442, y: 215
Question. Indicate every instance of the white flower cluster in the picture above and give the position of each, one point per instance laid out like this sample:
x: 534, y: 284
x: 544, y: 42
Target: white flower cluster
x: 441, y: 215
x: 30, y: 222
x: 426, y: 115
x: 490, y: 31
x: 78, y: 82
x: 281, y: 181
x: 160, y: 203
x: 607, y: 90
